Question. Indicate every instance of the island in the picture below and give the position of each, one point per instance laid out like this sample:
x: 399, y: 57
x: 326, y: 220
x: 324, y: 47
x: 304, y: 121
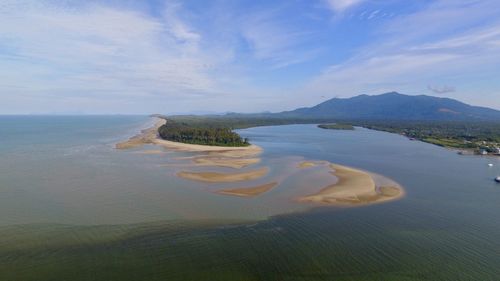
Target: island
x: 336, y: 126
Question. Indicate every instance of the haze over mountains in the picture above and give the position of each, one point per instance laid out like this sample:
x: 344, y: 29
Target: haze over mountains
x: 394, y: 106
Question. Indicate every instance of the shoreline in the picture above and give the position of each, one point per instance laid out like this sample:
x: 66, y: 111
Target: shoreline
x: 150, y: 136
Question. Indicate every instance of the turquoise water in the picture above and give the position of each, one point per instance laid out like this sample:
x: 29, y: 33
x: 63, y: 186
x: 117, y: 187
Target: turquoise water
x: 61, y: 177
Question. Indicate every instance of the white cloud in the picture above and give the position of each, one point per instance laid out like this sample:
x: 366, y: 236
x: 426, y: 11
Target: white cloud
x: 448, y: 42
x: 441, y: 89
x: 274, y: 41
x: 339, y: 6
x: 373, y: 14
x: 61, y: 53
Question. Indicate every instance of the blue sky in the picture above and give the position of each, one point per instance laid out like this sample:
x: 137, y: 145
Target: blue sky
x: 124, y: 56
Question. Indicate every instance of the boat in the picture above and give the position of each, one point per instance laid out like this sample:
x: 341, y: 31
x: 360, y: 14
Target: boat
x: 490, y: 165
x: 497, y: 179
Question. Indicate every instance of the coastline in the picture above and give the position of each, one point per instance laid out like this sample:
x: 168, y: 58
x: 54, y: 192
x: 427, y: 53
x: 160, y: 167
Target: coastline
x: 150, y: 136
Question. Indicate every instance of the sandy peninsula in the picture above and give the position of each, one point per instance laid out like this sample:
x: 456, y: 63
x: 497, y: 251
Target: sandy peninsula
x: 353, y: 187
x: 146, y: 136
x: 248, y: 191
x: 214, y: 177
x: 150, y: 136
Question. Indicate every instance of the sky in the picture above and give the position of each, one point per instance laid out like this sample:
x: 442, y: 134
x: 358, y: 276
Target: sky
x: 173, y: 56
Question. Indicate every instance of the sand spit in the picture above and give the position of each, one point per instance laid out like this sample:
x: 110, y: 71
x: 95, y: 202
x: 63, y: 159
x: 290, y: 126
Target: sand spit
x: 146, y: 136
x: 353, y: 187
x: 150, y: 136
x: 248, y: 191
x: 214, y: 177
x: 225, y: 162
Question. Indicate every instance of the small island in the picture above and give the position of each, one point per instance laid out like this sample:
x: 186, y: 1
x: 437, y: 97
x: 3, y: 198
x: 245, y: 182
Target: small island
x: 336, y: 126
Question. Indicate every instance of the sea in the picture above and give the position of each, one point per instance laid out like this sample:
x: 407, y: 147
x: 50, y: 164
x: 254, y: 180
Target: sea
x: 72, y: 207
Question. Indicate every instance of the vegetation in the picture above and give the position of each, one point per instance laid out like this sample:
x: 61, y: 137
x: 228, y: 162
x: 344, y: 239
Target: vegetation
x: 470, y: 135
x: 238, y: 121
x: 205, y: 135
x: 336, y: 126
x: 478, y: 136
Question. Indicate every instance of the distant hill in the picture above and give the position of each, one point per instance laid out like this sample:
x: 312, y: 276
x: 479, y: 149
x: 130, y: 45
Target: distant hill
x: 394, y: 106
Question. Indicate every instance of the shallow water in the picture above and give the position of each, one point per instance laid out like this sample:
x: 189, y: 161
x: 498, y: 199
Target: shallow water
x: 60, y: 177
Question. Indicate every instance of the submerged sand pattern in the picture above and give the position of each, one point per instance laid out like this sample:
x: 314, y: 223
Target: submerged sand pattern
x: 215, y: 177
x: 248, y: 191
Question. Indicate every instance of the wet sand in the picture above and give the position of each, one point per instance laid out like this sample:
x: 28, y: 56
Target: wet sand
x: 353, y: 187
x: 152, y: 151
x: 214, y: 177
x: 225, y: 162
x: 248, y: 191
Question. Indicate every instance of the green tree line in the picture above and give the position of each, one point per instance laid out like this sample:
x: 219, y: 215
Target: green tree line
x: 188, y: 133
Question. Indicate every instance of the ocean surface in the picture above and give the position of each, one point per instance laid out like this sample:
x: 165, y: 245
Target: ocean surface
x: 72, y: 207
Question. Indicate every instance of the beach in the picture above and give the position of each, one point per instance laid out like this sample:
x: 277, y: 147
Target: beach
x: 150, y: 136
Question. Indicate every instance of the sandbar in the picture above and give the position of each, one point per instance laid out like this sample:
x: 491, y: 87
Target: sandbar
x: 353, y: 186
x: 248, y: 191
x: 236, y: 163
x: 214, y: 177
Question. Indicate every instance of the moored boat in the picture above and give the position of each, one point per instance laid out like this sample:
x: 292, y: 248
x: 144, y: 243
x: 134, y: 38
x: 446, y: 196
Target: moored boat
x: 497, y: 179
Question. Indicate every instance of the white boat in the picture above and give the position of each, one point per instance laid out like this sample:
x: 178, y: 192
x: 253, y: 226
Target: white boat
x: 490, y: 165
x: 497, y: 179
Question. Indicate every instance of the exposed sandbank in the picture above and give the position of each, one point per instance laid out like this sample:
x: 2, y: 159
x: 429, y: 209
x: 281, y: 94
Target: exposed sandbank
x: 354, y: 187
x: 248, y: 191
x: 237, y: 163
x: 214, y: 177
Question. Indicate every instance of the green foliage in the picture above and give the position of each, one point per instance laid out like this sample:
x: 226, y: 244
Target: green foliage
x: 336, y: 126
x: 195, y: 134
x: 465, y: 135
x: 475, y: 135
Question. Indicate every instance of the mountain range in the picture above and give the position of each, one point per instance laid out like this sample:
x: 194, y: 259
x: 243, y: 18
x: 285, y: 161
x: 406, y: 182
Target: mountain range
x: 393, y: 106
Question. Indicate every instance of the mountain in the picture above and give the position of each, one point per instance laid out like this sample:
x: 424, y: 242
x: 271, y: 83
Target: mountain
x: 394, y: 106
